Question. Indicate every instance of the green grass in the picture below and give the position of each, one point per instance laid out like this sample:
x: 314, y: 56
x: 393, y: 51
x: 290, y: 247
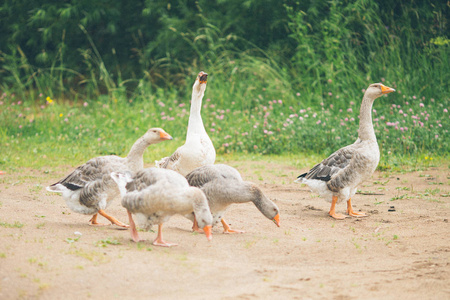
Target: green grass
x: 72, y: 240
x: 46, y: 134
x: 16, y: 224
x: 105, y: 242
x: 295, y: 100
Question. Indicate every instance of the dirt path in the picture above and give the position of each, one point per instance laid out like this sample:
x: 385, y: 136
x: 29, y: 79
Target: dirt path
x: 400, y: 254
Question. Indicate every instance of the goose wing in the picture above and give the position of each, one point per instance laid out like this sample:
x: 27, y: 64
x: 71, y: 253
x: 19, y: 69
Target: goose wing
x: 142, y: 180
x: 92, y: 170
x: 205, y: 174
x: 167, y: 162
x: 330, y: 166
x: 153, y: 176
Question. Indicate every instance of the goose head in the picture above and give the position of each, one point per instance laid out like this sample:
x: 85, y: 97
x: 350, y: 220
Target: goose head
x: 376, y: 90
x: 156, y: 135
x: 200, y: 83
x: 201, y: 210
x: 265, y: 205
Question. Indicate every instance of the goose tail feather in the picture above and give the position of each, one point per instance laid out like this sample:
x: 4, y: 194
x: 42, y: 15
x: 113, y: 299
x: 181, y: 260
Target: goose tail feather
x: 301, y: 177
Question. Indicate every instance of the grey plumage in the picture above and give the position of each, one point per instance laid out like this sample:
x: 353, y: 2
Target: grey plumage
x: 159, y: 194
x: 223, y: 186
x: 338, y: 176
x: 92, y: 180
x: 90, y: 189
x: 153, y: 195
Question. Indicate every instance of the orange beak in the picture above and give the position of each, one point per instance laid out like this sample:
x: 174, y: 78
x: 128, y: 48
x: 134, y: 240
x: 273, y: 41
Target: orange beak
x: 202, y: 77
x: 207, y: 230
x: 386, y: 89
x: 276, y: 220
x: 164, y: 135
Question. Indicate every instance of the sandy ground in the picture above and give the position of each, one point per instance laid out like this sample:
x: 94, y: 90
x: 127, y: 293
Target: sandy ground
x: 399, y: 254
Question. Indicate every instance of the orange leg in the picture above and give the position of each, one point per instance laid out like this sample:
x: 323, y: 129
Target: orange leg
x: 133, y: 230
x: 93, y: 221
x: 112, y: 219
x: 159, y: 240
x: 351, y: 212
x: 333, y: 213
x: 227, y: 228
x: 195, y: 226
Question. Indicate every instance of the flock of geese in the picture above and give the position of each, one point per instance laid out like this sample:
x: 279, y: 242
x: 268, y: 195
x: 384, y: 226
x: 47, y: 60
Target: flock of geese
x: 189, y: 183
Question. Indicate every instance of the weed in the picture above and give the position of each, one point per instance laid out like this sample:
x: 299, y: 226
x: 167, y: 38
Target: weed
x: 357, y: 246
x: 92, y: 256
x: 403, y: 188
x: 40, y: 225
x: 435, y: 183
x: 381, y: 182
x: 106, y: 242
x: 16, y: 224
x: 32, y: 260
x: 432, y: 191
x: 72, y: 240
x: 400, y: 197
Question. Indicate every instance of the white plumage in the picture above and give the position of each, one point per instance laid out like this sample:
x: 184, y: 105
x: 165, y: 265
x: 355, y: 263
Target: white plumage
x: 198, y: 149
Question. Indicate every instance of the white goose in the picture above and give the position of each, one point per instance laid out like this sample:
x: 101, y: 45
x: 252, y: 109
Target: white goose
x: 223, y: 185
x: 198, y: 149
x: 154, y: 195
x: 337, y: 177
x: 89, y: 189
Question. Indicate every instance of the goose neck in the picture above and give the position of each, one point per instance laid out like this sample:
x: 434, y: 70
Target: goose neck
x: 366, y: 131
x: 135, y: 157
x: 195, y: 124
